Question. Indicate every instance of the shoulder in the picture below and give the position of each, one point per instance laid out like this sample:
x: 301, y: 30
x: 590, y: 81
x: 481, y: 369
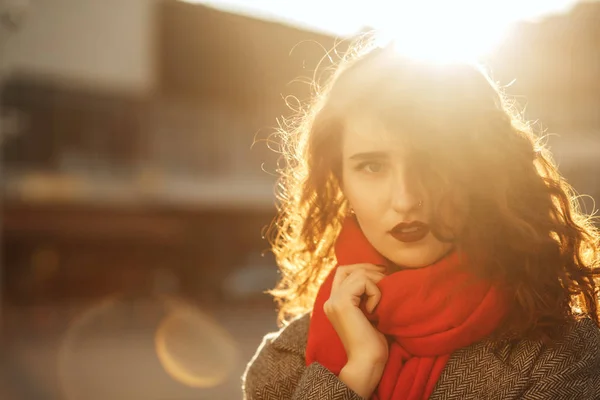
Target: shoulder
x: 570, y: 369
x: 579, y: 345
x: 293, y: 336
x: 528, y: 368
x: 280, y: 358
x: 278, y: 370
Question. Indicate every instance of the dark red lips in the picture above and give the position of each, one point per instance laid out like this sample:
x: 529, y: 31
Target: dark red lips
x: 409, y: 232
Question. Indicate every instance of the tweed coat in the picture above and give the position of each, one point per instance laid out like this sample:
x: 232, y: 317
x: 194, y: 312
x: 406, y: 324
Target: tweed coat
x: 525, y: 370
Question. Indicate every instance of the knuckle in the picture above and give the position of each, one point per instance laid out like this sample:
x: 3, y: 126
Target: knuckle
x: 361, y: 273
x: 343, y: 268
x: 327, y: 307
x: 340, y: 271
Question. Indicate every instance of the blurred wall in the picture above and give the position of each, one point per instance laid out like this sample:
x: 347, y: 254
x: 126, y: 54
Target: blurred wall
x: 107, y: 43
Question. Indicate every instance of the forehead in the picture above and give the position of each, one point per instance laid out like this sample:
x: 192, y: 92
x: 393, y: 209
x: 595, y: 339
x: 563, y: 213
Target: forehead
x: 364, y: 134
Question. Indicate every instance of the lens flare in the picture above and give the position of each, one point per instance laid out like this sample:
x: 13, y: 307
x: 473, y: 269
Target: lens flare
x: 149, y: 348
x: 193, y: 349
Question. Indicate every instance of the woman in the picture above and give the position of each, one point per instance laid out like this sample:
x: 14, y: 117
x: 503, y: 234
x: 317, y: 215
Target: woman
x: 428, y: 247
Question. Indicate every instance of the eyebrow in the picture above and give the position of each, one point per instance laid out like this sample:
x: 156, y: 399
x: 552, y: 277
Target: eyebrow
x: 371, y: 155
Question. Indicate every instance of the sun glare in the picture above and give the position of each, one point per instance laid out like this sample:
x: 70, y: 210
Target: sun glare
x: 460, y: 30
x: 450, y: 44
x: 438, y: 30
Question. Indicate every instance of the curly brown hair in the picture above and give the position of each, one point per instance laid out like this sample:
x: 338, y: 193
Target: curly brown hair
x: 523, y: 223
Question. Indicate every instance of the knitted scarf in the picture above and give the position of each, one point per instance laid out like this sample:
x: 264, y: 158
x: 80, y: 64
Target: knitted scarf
x: 426, y: 314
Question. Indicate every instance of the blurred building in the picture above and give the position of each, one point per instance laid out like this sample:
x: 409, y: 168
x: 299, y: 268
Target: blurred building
x: 555, y: 66
x: 136, y: 163
x: 143, y: 145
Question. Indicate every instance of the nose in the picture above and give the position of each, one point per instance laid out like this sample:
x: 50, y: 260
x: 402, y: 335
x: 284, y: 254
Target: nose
x: 405, y: 196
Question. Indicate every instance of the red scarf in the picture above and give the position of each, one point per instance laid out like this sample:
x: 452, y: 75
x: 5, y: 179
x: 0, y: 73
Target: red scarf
x: 425, y: 313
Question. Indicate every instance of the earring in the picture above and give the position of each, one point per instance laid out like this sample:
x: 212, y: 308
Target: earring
x: 351, y: 211
x: 420, y: 203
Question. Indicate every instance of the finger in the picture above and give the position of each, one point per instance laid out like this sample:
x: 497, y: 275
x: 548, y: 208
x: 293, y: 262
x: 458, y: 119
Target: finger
x: 361, y: 274
x: 340, y: 275
x: 355, y: 286
x: 373, y: 295
x: 344, y: 271
x: 367, y: 266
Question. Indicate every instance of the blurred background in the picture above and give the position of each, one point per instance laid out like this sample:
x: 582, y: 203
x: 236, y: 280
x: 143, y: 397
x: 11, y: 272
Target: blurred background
x: 137, y: 179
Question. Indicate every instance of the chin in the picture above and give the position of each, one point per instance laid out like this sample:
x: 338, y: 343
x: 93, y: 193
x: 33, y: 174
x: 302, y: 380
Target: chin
x: 412, y: 264
x: 417, y: 256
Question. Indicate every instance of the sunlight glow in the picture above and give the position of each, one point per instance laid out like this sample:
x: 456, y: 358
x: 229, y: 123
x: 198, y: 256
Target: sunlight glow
x: 438, y: 30
x: 461, y: 30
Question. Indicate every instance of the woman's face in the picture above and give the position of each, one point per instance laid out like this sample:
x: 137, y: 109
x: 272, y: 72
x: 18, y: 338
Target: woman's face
x: 388, y: 202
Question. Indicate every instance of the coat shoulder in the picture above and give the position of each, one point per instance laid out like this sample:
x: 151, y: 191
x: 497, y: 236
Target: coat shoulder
x: 509, y: 372
x: 279, y: 359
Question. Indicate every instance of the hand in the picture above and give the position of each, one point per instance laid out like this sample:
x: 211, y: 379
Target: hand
x: 366, y: 347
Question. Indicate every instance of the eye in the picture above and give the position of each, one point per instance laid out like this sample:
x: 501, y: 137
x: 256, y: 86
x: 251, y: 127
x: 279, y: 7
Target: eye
x: 371, y: 167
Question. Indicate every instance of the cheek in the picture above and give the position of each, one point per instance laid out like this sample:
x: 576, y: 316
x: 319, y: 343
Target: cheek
x: 454, y: 213
x: 356, y: 192
x: 368, y: 206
